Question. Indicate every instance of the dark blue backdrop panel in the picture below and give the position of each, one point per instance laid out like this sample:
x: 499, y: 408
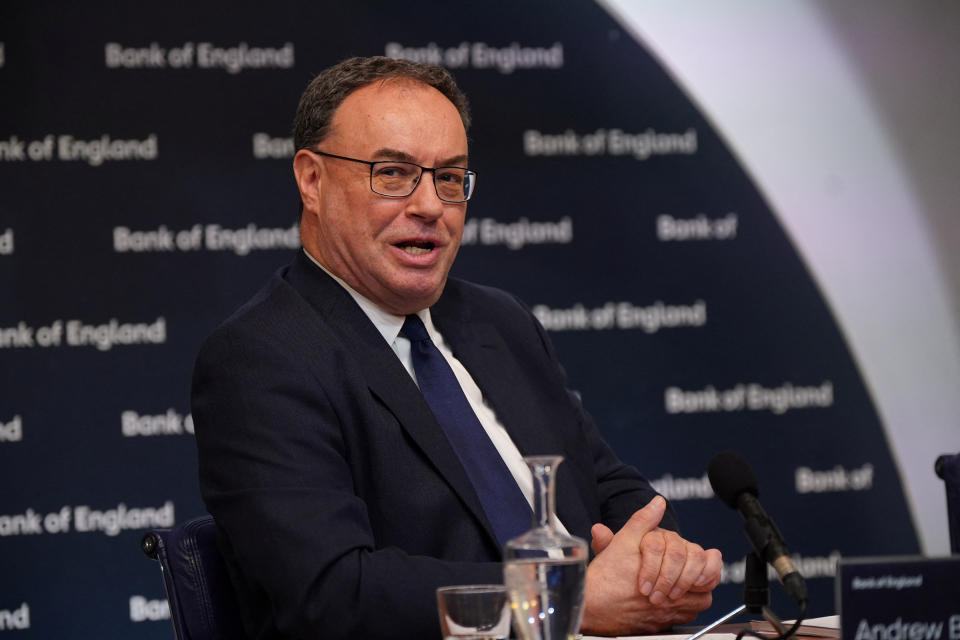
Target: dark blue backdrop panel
x: 147, y: 192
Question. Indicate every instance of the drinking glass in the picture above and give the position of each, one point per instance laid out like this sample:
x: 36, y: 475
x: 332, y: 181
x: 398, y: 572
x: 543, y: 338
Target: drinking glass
x: 545, y: 570
x: 474, y: 612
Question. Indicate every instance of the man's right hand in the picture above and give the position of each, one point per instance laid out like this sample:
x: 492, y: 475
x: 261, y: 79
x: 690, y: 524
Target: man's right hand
x: 644, y: 579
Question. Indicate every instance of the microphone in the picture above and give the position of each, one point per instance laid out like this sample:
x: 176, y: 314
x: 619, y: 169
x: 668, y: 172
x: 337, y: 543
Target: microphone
x: 735, y: 484
x: 940, y: 466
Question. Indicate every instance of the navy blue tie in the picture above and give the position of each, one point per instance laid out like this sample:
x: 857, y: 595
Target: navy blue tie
x: 507, y: 510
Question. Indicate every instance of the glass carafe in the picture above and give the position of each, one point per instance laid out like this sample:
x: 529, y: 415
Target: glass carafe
x: 545, y: 570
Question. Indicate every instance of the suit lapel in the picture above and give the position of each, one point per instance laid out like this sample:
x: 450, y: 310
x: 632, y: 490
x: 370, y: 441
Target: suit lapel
x: 386, y: 377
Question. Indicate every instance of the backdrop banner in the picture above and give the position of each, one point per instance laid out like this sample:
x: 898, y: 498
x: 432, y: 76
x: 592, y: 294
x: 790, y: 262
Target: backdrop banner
x: 147, y: 191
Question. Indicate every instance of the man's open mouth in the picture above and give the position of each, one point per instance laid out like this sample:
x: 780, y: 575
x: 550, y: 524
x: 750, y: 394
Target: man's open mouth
x: 417, y: 248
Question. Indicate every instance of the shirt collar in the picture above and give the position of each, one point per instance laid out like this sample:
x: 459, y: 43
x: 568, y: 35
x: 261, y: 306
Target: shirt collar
x: 388, y: 324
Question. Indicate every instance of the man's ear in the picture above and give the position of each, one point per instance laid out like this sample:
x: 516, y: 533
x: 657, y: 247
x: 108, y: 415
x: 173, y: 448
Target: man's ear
x: 306, y: 171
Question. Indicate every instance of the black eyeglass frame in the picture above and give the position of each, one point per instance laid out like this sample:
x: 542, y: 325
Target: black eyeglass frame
x: 433, y: 170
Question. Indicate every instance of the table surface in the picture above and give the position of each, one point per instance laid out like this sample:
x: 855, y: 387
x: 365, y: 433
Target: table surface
x: 730, y: 631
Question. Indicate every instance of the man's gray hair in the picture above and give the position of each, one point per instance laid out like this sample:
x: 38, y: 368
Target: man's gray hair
x: 324, y: 95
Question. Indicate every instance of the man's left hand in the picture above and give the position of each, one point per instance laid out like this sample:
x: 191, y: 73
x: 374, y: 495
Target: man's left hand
x: 670, y: 566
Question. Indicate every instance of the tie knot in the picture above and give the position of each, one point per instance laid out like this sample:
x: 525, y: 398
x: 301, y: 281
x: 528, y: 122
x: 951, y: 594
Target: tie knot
x: 414, y: 330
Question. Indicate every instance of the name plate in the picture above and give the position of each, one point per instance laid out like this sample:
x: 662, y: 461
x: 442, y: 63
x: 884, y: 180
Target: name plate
x: 899, y: 598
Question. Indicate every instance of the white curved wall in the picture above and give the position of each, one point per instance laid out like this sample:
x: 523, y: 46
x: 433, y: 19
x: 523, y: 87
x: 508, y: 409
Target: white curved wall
x: 784, y: 86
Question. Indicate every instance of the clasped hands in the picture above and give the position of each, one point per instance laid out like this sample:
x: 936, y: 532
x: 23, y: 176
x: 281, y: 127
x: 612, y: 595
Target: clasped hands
x: 644, y: 578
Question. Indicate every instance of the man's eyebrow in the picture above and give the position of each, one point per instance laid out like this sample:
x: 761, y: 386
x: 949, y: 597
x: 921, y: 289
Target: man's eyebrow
x: 402, y: 156
x: 392, y: 154
x: 455, y: 161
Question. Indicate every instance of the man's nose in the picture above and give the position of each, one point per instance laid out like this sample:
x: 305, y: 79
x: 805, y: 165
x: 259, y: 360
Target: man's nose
x: 424, y: 201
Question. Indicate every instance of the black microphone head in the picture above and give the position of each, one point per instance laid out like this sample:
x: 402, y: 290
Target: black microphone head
x: 730, y: 475
x: 938, y: 467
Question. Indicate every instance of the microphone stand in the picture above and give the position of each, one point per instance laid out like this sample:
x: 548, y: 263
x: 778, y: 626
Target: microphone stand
x: 756, y: 597
x: 756, y: 592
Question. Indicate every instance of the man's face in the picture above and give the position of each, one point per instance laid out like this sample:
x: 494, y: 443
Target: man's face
x: 395, y: 251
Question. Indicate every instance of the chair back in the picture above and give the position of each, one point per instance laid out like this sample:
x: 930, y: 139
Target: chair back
x: 201, y: 598
x: 948, y: 468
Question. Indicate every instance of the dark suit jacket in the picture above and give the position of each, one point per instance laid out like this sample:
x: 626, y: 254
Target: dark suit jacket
x: 340, y: 503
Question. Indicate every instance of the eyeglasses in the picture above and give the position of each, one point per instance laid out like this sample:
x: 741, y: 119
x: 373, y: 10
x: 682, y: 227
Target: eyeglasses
x: 394, y: 179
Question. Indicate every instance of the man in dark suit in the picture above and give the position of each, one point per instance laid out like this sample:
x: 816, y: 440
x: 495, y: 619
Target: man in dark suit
x: 342, y: 499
